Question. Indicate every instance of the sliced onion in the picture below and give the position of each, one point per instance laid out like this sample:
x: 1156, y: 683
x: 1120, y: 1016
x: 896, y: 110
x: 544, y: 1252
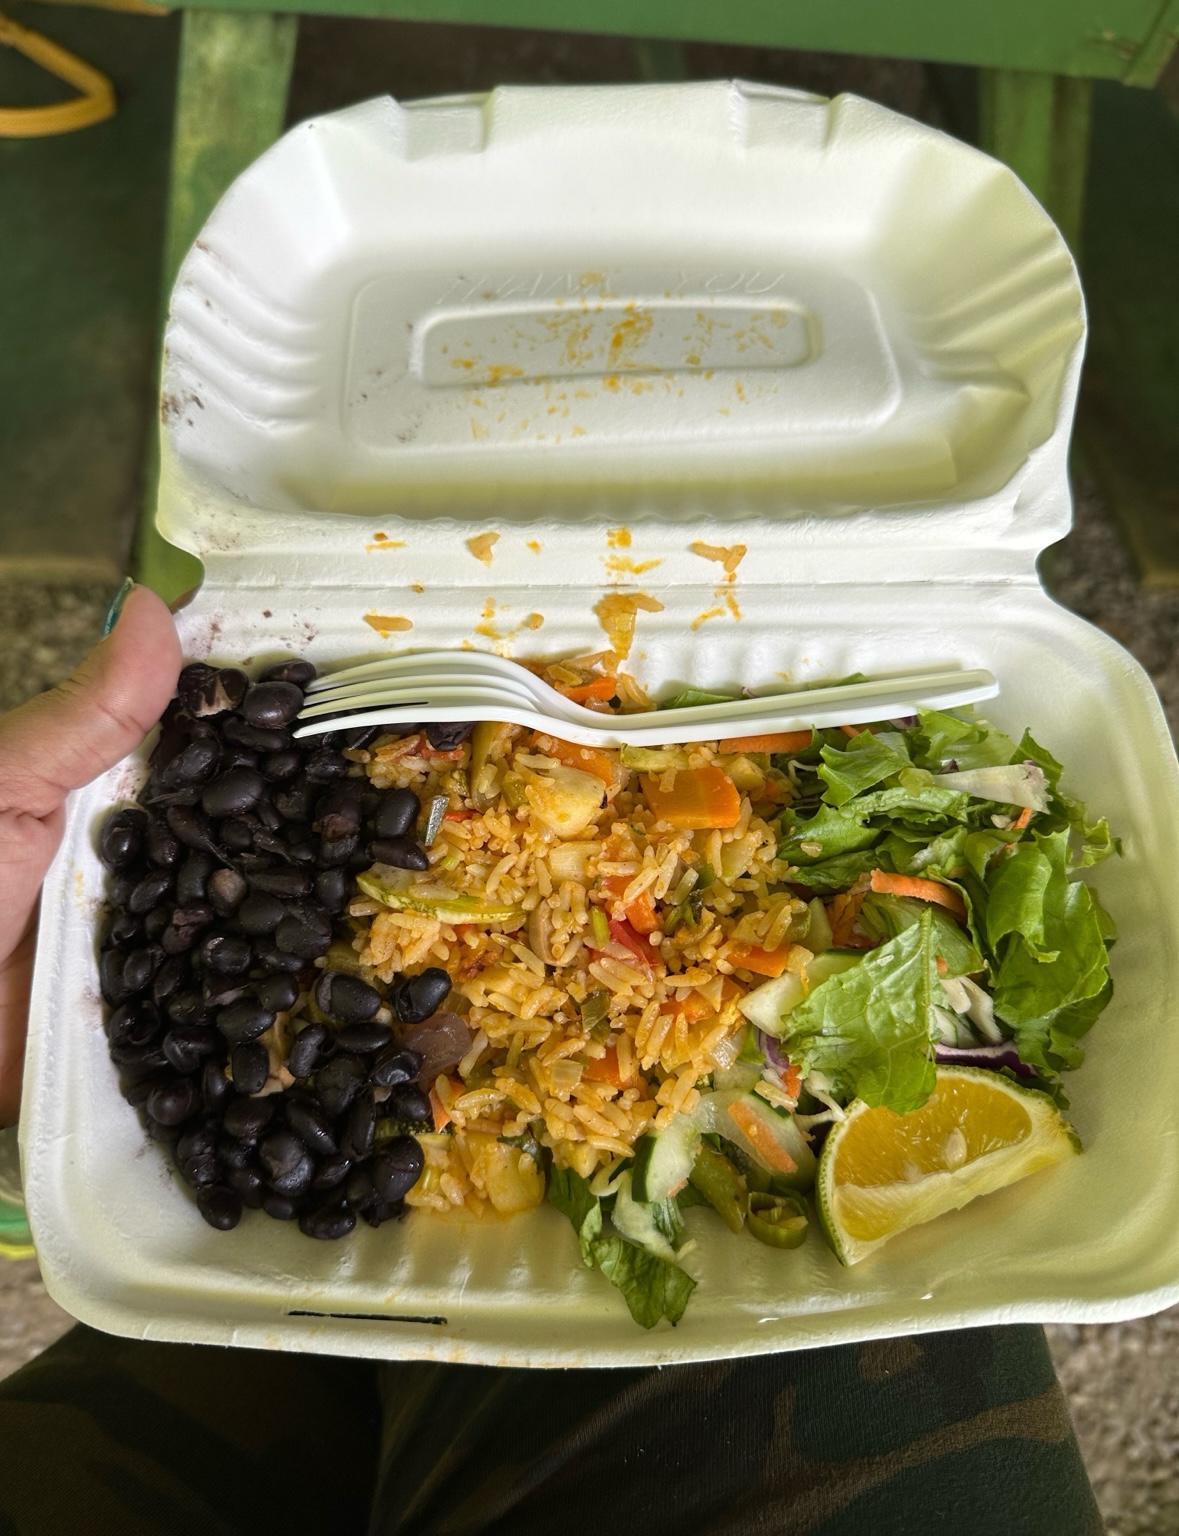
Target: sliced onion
x: 993, y: 1056
x: 442, y: 1040
x: 771, y: 1049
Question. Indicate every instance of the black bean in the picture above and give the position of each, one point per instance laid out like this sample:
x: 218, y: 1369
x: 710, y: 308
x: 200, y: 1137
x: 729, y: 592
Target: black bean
x: 197, y: 762
x: 125, y: 927
x: 332, y: 1171
x: 357, y: 1140
x: 184, y: 1008
x: 279, y: 767
x: 150, y: 891
x: 245, y: 1119
x: 234, y: 792
x: 397, y: 813
x: 305, y: 1051
x: 239, y: 757
x: 240, y: 733
x: 415, y: 998
x: 346, y: 999
x: 250, y: 1064
x: 219, y: 990
x: 286, y: 883
x: 286, y: 1162
x: 302, y: 853
x: 324, y: 765
x: 395, y: 1065
x: 205, y: 690
x: 358, y: 1189
x: 305, y: 931
x: 295, y: 671
x: 136, y: 1088
x: 272, y: 705
x: 160, y: 1130
x: 338, y: 1083
x: 228, y: 953
x: 334, y: 851
x: 327, y: 1222
x: 400, y: 852
x: 169, y: 979
x: 232, y: 1153
x: 186, y: 1048
x: 220, y: 1206
x: 364, y: 1038
x: 309, y: 1122
x: 405, y: 1102
x: 331, y: 890
x: 185, y: 928
x: 163, y: 846
x: 141, y: 966
x: 270, y: 819
x: 294, y: 804
x: 251, y: 864
x: 122, y: 885
x: 237, y: 833
x: 444, y: 738
x: 378, y: 1212
x: 396, y: 1168
x: 190, y: 825
x: 121, y: 840
x: 156, y: 923
x: 249, y: 1185
x: 196, y: 1155
x: 110, y: 976
x: 359, y: 737
x: 278, y: 992
x: 227, y: 891
x: 272, y: 959
x: 173, y: 1103
x: 260, y: 914
x: 244, y: 1020
x: 281, y: 1207
x: 138, y: 1062
x: 339, y: 809
x: 192, y: 879
x: 133, y: 1025
x: 216, y: 1089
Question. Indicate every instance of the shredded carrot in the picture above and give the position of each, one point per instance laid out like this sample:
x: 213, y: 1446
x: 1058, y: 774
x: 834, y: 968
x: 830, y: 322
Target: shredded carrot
x: 440, y: 1112
x: 598, y: 688
x: 792, y: 1081
x: 843, y: 910
x: 773, y: 741
x: 699, y: 799
x: 851, y: 730
x: 463, y: 815
x: 766, y: 1143
x: 695, y: 1006
x: 923, y: 890
x: 1022, y: 819
x: 764, y: 962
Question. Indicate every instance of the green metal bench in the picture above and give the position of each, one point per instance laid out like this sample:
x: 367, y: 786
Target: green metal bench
x: 1037, y: 61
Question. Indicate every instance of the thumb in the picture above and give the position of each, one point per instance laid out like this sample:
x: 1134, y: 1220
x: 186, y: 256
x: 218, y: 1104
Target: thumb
x: 66, y: 737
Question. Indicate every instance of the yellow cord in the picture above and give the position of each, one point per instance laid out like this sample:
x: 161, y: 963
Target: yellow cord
x: 95, y: 104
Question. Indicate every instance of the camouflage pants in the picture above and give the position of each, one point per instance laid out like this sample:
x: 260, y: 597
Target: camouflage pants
x: 965, y: 1433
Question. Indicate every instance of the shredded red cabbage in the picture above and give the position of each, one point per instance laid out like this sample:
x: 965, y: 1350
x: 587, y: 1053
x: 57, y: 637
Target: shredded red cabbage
x: 1002, y: 1055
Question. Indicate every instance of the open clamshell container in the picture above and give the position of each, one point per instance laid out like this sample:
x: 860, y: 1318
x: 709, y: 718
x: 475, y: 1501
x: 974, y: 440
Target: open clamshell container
x: 614, y: 327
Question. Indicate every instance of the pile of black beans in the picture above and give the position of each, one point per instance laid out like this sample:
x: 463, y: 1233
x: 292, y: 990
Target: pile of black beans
x: 228, y: 881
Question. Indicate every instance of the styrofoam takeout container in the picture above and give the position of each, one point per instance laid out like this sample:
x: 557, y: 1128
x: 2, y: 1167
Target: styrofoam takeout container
x: 609, y: 325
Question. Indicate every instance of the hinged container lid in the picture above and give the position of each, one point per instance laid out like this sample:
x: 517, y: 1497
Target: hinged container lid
x: 714, y: 302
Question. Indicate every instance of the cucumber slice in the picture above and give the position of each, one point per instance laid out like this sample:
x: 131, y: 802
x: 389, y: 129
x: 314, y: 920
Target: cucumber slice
x: 818, y: 932
x: 772, y: 1141
x: 431, y: 897
x: 770, y: 1005
x: 637, y: 1221
x: 664, y: 1159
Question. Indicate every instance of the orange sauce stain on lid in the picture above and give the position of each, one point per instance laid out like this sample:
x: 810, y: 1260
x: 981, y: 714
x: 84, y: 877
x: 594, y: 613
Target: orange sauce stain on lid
x: 387, y: 624
x: 383, y: 541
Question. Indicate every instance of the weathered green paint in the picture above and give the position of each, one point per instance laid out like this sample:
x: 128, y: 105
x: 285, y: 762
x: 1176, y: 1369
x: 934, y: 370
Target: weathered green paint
x: 1039, y: 125
x: 1129, y: 39
x: 230, y: 104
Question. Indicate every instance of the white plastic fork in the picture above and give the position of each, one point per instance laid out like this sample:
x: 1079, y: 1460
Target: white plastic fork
x: 450, y: 686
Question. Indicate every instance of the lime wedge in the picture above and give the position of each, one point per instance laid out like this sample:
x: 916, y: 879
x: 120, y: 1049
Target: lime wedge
x: 881, y: 1172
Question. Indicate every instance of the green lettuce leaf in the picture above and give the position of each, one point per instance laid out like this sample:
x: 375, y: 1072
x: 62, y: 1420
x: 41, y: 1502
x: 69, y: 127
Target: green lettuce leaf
x: 868, y: 1029
x: 687, y: 698
x: 971, y: 743
x: 651, y: 1287
x: 831, y: 830
x: 1015, y: 899
x: 886, y: 917
x: 914, y: 800
x: 834, y: 875
x: 865, y: 762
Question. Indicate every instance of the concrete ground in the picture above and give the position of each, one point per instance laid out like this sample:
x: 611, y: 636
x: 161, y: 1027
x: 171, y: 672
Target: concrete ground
x: 1122, y: 1380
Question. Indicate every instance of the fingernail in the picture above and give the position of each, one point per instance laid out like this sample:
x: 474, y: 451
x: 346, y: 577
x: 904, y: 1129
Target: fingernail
x: 116, y: 607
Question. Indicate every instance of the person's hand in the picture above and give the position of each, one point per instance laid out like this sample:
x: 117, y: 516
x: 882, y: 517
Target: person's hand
x: 53, y: 744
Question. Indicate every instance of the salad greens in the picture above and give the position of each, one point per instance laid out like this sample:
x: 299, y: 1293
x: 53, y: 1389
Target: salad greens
x: 878, y: 806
